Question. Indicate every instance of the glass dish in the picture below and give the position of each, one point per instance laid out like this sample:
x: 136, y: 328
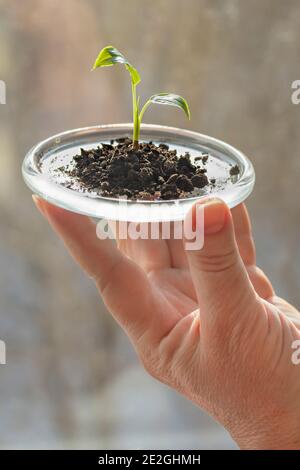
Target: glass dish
x: 42, y: 161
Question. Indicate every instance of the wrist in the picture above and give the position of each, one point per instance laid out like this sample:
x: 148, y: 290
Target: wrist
x: 279, y: 433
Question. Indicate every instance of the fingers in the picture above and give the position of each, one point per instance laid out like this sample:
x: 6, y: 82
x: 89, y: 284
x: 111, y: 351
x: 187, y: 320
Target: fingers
x: 177, y: 253
x: 246, y: 246
x: 161, y: 254
x: 158, y: 252
x: 123, y: 285
x: 224, y: 291
x: 151, y: 254
x: 243, y: 234
x: 260, y: 282
x: 79, y: 235
x: 287, y: 309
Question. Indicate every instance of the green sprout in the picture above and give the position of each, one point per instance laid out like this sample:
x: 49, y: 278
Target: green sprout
x: 111, y: 56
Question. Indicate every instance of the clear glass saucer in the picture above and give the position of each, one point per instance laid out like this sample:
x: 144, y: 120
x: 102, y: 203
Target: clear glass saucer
x: 41, y: 164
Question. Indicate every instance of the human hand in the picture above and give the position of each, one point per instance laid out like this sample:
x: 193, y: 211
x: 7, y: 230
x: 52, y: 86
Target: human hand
x: 233, y: 359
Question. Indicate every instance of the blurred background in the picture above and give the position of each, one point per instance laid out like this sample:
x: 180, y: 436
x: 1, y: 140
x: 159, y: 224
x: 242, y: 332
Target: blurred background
x: 72, y: 379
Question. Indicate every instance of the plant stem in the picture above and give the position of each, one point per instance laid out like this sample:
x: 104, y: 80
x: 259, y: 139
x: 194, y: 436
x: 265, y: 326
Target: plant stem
x: 146, y: 105
x: 136, y: 120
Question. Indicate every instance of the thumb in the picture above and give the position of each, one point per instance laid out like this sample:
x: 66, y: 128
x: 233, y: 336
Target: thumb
x: 225, y: 293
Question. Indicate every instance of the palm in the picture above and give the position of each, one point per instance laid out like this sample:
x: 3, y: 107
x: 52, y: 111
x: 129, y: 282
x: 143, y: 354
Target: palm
x: 169, y: 280
x: 166, y: 266
x: 245, y: 337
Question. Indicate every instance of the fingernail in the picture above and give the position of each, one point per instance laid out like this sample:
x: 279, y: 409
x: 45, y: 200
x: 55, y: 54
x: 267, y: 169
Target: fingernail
x: 215, y: 212
x: 39, y: 203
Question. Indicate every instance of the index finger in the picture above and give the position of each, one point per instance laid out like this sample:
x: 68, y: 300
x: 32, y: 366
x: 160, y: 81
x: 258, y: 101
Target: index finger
x: 122, y: 284
x: 243, y: 234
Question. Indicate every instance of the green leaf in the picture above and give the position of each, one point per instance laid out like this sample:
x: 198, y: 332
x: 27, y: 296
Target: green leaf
x: 171, y: 100
x: 111, y: 56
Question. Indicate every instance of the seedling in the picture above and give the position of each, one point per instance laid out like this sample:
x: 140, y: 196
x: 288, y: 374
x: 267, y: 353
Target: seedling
x: 127, y: 168
x: 111, y: 56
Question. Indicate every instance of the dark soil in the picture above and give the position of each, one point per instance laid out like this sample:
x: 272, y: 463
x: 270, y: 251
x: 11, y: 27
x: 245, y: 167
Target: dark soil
x: 234, y: 170
x: 152, y: 172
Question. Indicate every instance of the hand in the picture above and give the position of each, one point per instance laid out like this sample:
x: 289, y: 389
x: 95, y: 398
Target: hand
x: 234, y: 358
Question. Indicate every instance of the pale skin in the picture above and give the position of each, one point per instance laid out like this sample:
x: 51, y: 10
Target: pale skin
x: 206, y: 322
